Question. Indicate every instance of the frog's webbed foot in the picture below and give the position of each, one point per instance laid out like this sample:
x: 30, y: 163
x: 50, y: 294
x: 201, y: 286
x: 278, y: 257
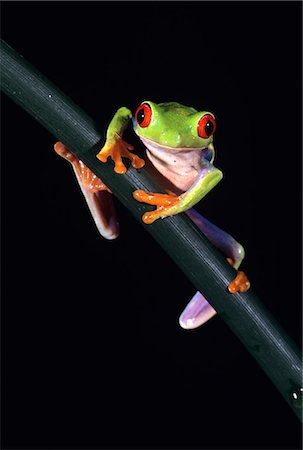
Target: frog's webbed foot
x: 166, y: 204
x: 198, y: 311
x: 96, y: 193
x: 240, y: 283
x: 117, y: 150
x: 85, y: 176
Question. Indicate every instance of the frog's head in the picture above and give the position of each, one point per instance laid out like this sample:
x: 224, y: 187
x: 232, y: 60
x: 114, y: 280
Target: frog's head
x: 173, y: 126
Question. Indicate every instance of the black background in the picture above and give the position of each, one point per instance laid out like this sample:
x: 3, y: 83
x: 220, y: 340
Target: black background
x: 92, y: 354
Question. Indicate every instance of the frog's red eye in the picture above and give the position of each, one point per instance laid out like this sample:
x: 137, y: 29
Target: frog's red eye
x: 206, y: 126
x: 143, y: 115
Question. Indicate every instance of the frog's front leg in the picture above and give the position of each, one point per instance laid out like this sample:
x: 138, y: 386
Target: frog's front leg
x: 115, y: 146
x: 169, y: 204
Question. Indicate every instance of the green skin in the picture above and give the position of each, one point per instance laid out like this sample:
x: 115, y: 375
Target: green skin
x: 174, y: 148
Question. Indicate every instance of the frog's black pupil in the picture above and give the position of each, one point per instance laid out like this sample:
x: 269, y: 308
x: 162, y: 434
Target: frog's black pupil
x: 140, y: 116
x: 209, y: 127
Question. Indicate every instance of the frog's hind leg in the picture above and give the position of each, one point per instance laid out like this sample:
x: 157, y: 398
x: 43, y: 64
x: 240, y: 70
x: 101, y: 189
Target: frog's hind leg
x: 198, y: 311
x: 219, y: 238
x: 97, y: 195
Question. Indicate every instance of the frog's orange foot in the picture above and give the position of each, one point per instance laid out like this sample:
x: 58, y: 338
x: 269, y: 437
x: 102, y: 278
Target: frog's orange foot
x: 163, y: 202
x: 88, y: 180
x: 239, y: 284
x: 117, y: 151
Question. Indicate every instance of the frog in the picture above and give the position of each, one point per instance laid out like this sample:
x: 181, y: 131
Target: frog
x: 179, y: 145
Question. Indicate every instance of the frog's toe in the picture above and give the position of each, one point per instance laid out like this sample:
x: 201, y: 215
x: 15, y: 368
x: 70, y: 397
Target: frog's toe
x: 113, y: 151
x: 136, y: 161
x: 117, y: 150
x: 64, y: 152
x: 154, y: 199
x: 239, y: 284
x: 165, y: 204
x: 150, y: 217
x: 104, y: 154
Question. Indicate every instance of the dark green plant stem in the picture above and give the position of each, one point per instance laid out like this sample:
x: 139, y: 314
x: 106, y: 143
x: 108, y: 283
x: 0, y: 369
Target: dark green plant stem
x: 197, y: 258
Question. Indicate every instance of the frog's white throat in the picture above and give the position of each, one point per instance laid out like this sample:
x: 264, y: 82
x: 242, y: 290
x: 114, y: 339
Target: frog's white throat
x: 181, y: 166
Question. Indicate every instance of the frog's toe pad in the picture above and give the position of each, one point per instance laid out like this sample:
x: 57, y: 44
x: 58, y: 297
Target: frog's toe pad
x: 239, y: 284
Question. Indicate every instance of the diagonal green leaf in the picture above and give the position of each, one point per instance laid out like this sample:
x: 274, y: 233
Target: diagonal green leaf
x: 197, y: 258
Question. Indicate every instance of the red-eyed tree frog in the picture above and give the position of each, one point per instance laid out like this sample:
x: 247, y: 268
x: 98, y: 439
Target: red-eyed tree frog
x: 180, y: 151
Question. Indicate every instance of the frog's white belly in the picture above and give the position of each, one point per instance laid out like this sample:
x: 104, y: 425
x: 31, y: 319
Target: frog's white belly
x: 180, y: 166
